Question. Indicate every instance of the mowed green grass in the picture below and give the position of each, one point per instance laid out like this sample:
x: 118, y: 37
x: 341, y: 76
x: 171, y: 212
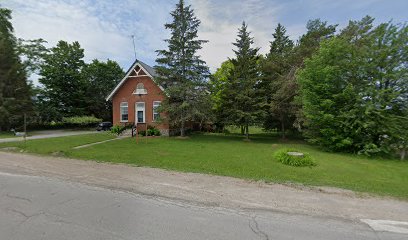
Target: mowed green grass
x: 229, y: 155
x: 6, y: 135
x: 60, y: 145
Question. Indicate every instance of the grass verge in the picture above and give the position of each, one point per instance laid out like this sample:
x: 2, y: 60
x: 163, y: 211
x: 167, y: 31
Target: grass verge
x: 6, y: 135
x: 60, y: 145
x: 230, y: 156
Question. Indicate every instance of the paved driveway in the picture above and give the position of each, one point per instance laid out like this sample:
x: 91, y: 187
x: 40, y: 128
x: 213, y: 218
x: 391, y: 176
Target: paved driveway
x: 47, y: 134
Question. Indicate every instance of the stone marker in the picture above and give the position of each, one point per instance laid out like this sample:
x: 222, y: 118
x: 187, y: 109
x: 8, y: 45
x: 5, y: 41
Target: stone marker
x: 296, y: 154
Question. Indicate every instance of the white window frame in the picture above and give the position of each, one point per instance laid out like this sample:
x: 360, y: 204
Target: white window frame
x: 154, y: 109
x: 121, y: 107
x: 144, y: 112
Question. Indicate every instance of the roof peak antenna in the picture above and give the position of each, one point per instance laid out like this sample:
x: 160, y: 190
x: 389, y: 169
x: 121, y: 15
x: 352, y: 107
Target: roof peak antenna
x: 134, y: 46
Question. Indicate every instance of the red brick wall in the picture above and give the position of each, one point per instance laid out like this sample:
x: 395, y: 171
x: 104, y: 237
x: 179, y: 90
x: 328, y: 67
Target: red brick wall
x: 125, y: 94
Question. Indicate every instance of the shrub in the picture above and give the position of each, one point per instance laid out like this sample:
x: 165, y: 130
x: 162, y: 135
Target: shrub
x: 153, y: 131
x: 68, y: 122
x: 295, y: 161
x: 81, y: 120
x: 143, y: 133
x: 117, y: 129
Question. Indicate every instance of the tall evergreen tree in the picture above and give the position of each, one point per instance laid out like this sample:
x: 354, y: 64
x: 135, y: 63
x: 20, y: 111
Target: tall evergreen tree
x: 181, y: 70
x: 281, y: 45
x: 277, y: 82
x: 15, y: 94
x: 61, y: 76
x: 241, y: 102
x: 309, y: 43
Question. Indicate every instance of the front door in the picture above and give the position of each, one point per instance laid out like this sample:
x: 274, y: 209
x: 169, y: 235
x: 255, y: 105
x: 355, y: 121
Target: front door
x: 140, y: 112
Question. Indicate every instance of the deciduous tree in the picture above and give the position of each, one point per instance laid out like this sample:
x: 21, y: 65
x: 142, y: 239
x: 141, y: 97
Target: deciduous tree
x: 100, y: 78
x: 218, y: 83
x: 64, y: 86
x: 354, y: 90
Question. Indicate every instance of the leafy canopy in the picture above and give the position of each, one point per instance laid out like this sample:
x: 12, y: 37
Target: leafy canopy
x: 354, y: 90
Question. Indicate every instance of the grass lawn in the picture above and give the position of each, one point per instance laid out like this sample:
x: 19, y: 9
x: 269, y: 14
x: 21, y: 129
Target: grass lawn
x: 230, y: 156
x: 59, y: 145
x: 6, y: 135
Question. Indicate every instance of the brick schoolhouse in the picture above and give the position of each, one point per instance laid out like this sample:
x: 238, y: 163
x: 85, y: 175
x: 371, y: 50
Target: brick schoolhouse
x: 136, y: 98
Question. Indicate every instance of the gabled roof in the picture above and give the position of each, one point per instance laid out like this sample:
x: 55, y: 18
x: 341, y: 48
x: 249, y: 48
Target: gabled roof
x: 149, y: 69
x: 146, y: 68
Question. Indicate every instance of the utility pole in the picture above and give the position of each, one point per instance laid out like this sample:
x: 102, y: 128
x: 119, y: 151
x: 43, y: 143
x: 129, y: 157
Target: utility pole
x: 134, y: 46
x: 25, y: 127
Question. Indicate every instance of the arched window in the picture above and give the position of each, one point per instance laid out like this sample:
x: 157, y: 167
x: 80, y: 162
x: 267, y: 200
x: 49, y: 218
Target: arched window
x: 140, y: 89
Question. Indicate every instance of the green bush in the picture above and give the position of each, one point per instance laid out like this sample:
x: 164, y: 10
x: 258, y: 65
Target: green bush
x: 65, y: 123
x: 153, y: 131
x: 118, y: 129
x: 143, y: 133
x: 81, y: 120
x: 283, y: 157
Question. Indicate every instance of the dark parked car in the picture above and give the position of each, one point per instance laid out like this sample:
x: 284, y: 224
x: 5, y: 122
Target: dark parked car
x: 104, y: 126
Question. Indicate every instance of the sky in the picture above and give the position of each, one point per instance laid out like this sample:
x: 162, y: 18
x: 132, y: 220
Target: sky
x: 104, y: 27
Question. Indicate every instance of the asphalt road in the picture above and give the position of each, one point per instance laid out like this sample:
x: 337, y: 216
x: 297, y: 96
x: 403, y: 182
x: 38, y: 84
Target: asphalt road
x: 45, y: 208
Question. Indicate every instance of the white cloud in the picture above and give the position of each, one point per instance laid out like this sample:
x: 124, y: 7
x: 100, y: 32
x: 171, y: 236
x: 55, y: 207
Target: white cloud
x: 221, y: 20
x: 103, y: 28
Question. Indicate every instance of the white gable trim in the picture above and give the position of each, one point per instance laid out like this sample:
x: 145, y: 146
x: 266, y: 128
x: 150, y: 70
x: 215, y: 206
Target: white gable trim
x: 109, y: 97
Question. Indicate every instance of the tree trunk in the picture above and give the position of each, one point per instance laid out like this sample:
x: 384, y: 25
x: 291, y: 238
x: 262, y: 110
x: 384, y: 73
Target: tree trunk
x: 242, y: 130
x: 402, y: 154
x: 247, y: 131
x: 182, y: 132
x: 283, y: 130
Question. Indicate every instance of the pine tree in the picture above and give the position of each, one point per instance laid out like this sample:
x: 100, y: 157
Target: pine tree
x: 277, y: 82
x: 309, y: 43
x: 241, y: 101
x: 181, y: 71
x: 15, y: 94
x: 281, y: 45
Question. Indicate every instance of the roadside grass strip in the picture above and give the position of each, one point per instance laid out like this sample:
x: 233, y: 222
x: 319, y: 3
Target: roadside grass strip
x: 229, y: 155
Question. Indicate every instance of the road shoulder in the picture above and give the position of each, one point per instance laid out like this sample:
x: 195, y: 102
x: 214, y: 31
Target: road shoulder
x: 210, y: 190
